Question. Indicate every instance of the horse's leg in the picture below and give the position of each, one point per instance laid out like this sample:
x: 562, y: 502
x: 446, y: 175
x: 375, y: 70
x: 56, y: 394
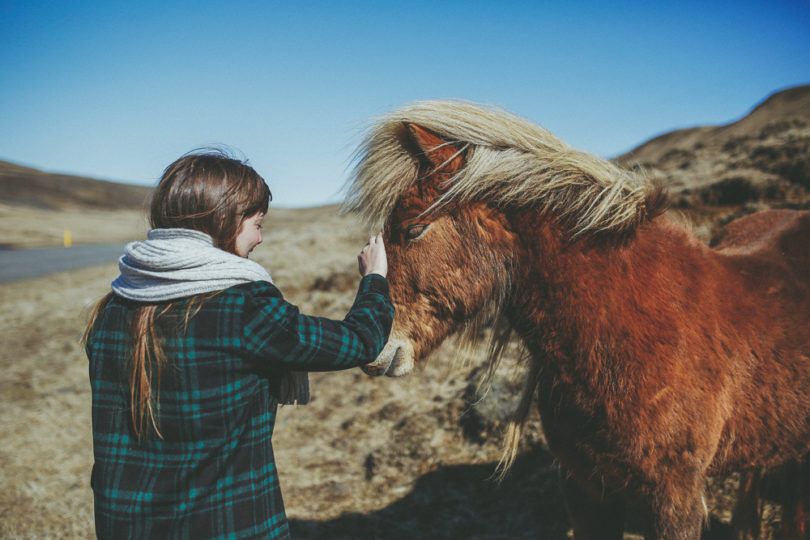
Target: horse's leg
x: 802, y: 517
x: 592, y: 517
x: 796, y: 509
x: 747, y: 513
x: 676, y: 509
x: 682, y: 523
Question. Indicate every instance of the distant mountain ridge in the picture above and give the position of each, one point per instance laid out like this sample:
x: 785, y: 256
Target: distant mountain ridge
x: 760, y: 159
x: 25, y: 186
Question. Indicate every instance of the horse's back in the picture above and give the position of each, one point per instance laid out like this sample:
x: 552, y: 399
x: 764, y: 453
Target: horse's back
x: 773, y: 236
x: 767, y: 255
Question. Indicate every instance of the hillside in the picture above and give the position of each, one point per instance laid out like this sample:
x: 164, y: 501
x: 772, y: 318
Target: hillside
x: 761, y: 160
x: 39, y: 209
x: 24, y: 186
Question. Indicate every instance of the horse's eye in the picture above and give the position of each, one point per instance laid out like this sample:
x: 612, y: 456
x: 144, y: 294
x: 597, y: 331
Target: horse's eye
x: 415, y: 231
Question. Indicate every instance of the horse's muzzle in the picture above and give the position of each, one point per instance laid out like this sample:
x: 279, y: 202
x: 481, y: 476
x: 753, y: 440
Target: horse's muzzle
x: 395, y: 360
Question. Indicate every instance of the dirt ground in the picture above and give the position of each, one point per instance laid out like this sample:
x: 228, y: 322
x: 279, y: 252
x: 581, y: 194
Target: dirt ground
x: 368, y: 458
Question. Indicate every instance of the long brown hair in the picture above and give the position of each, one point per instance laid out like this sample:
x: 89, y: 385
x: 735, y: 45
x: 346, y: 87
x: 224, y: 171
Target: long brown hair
x: 204, y: 190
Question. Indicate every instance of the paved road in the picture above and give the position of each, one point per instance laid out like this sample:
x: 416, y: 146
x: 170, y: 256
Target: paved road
x: 17, y: 264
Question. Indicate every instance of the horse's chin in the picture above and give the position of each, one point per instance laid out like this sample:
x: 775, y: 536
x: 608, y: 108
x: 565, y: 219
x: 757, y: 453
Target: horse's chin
x: 395, y: 360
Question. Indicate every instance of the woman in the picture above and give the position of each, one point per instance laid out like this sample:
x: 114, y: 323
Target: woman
x: 191, y: 353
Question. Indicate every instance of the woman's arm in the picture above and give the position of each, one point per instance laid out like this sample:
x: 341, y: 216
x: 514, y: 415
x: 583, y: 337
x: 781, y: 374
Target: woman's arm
x: 285, y: 338
x: 278, y: 336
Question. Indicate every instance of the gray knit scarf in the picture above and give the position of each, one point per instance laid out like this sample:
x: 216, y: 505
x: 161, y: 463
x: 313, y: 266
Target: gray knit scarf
x: 176, y: 263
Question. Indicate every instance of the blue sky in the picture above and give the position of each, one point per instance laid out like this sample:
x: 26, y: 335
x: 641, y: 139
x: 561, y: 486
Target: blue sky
x: 117, y: 90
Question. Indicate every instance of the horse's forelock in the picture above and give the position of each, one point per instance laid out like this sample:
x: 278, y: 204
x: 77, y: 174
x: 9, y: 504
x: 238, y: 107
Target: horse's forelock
x: 385, y: 168
x: 509, y: 162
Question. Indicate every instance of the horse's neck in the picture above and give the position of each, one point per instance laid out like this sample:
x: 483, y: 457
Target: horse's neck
x: 581, y: 301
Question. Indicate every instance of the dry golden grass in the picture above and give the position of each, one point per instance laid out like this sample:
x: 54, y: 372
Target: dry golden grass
x: 322, y: 449
x: 46, y: 453
x: 384, y: 458
x: 25, y: 227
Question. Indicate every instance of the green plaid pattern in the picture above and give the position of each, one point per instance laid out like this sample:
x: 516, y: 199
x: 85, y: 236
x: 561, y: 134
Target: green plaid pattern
x: 213, y: 474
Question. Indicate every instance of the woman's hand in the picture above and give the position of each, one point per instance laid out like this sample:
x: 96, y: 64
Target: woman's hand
x: 372, y: 258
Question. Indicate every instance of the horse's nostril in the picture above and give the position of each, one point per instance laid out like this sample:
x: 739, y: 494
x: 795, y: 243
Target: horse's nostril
x: 402, y: 362
x: 382, y: 363
x: 396, y: 358
x: 374, y: 370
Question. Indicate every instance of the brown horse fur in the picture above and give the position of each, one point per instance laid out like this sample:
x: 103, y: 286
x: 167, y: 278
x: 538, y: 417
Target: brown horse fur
x: 655, y: 360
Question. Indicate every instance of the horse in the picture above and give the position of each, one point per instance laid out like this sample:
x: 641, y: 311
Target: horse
x: 655, y: 360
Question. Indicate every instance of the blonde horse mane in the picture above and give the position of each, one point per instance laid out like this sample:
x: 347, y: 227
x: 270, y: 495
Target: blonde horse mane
x: 510, y: 162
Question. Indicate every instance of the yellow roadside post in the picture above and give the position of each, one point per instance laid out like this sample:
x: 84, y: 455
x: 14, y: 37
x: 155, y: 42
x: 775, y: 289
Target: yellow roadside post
x: 67, y: 238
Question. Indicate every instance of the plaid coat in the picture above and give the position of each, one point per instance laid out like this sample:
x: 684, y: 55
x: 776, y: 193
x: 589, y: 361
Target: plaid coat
x: 213, y: 475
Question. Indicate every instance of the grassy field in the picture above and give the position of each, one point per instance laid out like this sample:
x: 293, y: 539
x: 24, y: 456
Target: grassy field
x: 26, y: 227
x: 359, y: 447
x: 368, y: 458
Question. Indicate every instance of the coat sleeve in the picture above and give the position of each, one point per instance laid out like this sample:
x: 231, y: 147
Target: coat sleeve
x: 278, y: 336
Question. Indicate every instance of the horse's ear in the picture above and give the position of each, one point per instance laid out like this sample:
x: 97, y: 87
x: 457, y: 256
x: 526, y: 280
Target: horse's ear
x: 437, y: 153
